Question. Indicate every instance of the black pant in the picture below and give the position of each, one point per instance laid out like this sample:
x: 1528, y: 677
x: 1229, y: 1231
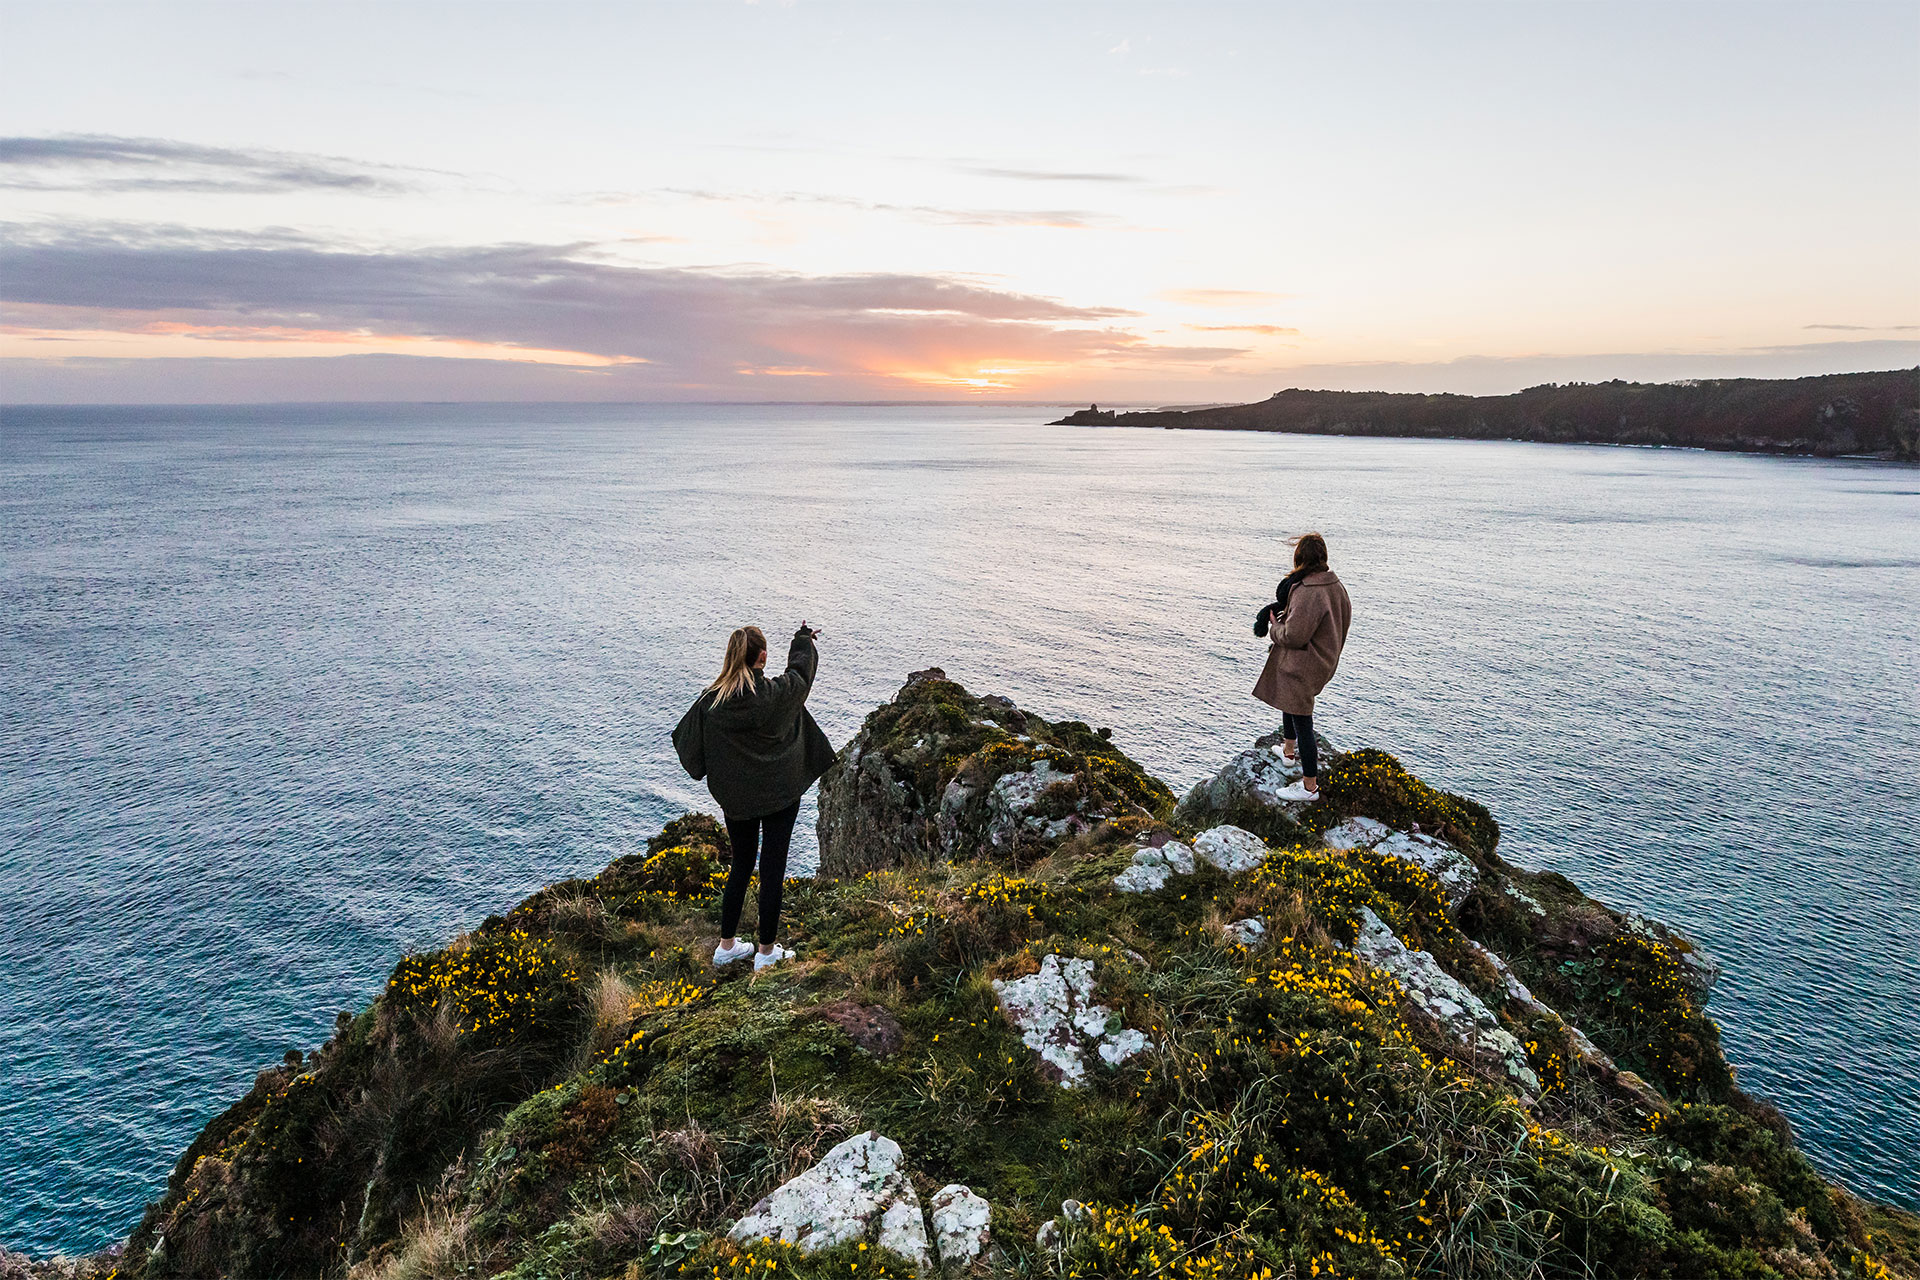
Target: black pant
x: 744, y: 834
x: 1300, y: 730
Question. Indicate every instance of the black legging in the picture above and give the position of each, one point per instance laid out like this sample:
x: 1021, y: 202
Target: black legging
x: 744, y: 834
x: 1300, y: 729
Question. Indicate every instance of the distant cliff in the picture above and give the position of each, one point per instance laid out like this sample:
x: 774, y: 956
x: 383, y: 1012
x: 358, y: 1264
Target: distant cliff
x: 1838, y: 414
x: 1047, y: 1019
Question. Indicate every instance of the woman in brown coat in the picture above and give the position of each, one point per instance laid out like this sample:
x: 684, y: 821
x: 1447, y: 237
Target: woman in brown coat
x: 1308, y: 623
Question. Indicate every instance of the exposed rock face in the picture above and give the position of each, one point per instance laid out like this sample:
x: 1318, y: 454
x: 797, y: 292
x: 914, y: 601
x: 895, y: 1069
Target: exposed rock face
x: 1454, y: 870
x: 1257, y: 775
x: 1231, y: 849
x: 938, y: 773
x: 1246, y: 793
x: 962, y: 1226
x: 1154, y: 866
x: 859, y: 1190
x: 1443, y: 997
x: 1058, y: 1019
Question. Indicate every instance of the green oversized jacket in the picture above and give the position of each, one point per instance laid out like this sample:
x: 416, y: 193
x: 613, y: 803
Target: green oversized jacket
x: 760, y: 749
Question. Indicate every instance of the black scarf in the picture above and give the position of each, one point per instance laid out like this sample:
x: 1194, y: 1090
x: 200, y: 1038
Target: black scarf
x: 1269, y: 612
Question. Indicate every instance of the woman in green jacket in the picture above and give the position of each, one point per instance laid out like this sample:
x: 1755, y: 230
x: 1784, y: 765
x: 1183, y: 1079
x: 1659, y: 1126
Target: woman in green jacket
x: 751, y: 737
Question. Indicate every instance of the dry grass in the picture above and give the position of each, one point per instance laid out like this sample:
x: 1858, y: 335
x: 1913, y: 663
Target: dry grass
x: 435, y: 1246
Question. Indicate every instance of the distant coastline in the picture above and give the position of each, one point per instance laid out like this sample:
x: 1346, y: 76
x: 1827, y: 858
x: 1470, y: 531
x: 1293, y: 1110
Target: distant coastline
x: 1835, y: 415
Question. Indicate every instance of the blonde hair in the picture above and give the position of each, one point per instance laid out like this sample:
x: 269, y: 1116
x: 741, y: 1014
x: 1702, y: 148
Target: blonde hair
x: 744, y: 646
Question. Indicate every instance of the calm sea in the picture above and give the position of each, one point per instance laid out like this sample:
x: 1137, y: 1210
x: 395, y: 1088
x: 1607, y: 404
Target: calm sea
x: 286, y: 691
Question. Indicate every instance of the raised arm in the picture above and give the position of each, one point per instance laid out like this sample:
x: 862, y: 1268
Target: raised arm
x: 803, y: 660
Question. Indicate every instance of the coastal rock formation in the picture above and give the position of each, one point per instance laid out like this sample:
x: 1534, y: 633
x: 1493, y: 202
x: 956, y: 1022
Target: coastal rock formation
x: 1344, y: 1037
x: 1875, y: 414
x: 938, y: 773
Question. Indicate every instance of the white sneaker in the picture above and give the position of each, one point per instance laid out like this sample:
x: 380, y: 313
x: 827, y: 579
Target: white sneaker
x: 771, y: 958
x: 1298, y: 792
x: 723, y: 956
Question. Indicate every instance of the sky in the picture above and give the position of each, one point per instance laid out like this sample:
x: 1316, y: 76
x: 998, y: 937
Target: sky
x: 1070, y: 202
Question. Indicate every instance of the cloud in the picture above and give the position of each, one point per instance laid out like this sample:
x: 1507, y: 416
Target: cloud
x: 1051, y: 175
x: 709, y: 328
x: 107, y: 164
x: 1059, y: 219
x: 1866, y: 328
x: 1221, y: 297
x: 1271, y: 330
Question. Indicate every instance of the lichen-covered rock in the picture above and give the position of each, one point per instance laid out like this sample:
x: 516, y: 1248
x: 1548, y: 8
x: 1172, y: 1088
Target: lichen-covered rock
x: 860, y: 1190
x: 962, y: 1226
x: 1145, y: 875
x: 1057, y: 1018
x: 1154, y: 865
x: 1246, y: 793
x: 1231, y: 849
x: 1444, y: 998
x: 938, y: 773
x: 1246, y: 933
x: 1257, y: 775
x: 1455, y: 871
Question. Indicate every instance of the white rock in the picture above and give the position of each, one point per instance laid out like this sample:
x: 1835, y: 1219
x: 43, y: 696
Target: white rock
x: 1443, y: 997
x: 1356, y: 832
x: 1142, y: 877
x: 1248, y: 933
x: 1453, y: 869
x: 1179, y: 856
x: 1120, y: 1045
x: 1153, y: 867
x: 904, y: 1231
x: 1058, y: 1019
x: 962, y: 1225
x: 1256, y: 775
x: 1231, y: 849
x: 1518, y: 993
x: 858, y: 1187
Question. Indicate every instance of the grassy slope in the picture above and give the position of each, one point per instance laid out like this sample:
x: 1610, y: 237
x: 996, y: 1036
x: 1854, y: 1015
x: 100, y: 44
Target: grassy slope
x: 571, y: 1090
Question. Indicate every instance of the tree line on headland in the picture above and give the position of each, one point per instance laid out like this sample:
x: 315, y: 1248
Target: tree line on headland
x: 1842, y: 414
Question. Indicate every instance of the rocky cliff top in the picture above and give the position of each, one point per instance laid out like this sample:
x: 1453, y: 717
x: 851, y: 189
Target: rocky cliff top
x: 1046, y: 1019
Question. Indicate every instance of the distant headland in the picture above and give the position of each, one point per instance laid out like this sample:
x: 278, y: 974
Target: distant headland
x: 1835, y: 415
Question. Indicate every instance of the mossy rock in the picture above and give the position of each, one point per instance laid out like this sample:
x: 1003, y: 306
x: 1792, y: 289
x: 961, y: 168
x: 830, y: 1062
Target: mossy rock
x: 918, y: 783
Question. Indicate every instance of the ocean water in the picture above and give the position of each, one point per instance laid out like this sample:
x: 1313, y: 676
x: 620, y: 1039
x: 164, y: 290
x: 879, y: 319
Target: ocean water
x: 286, y: 691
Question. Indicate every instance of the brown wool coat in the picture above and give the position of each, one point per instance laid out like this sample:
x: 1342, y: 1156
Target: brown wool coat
x: 1306, y: 643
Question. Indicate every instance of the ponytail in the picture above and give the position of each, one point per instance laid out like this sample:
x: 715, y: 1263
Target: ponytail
x: 744, y: 648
